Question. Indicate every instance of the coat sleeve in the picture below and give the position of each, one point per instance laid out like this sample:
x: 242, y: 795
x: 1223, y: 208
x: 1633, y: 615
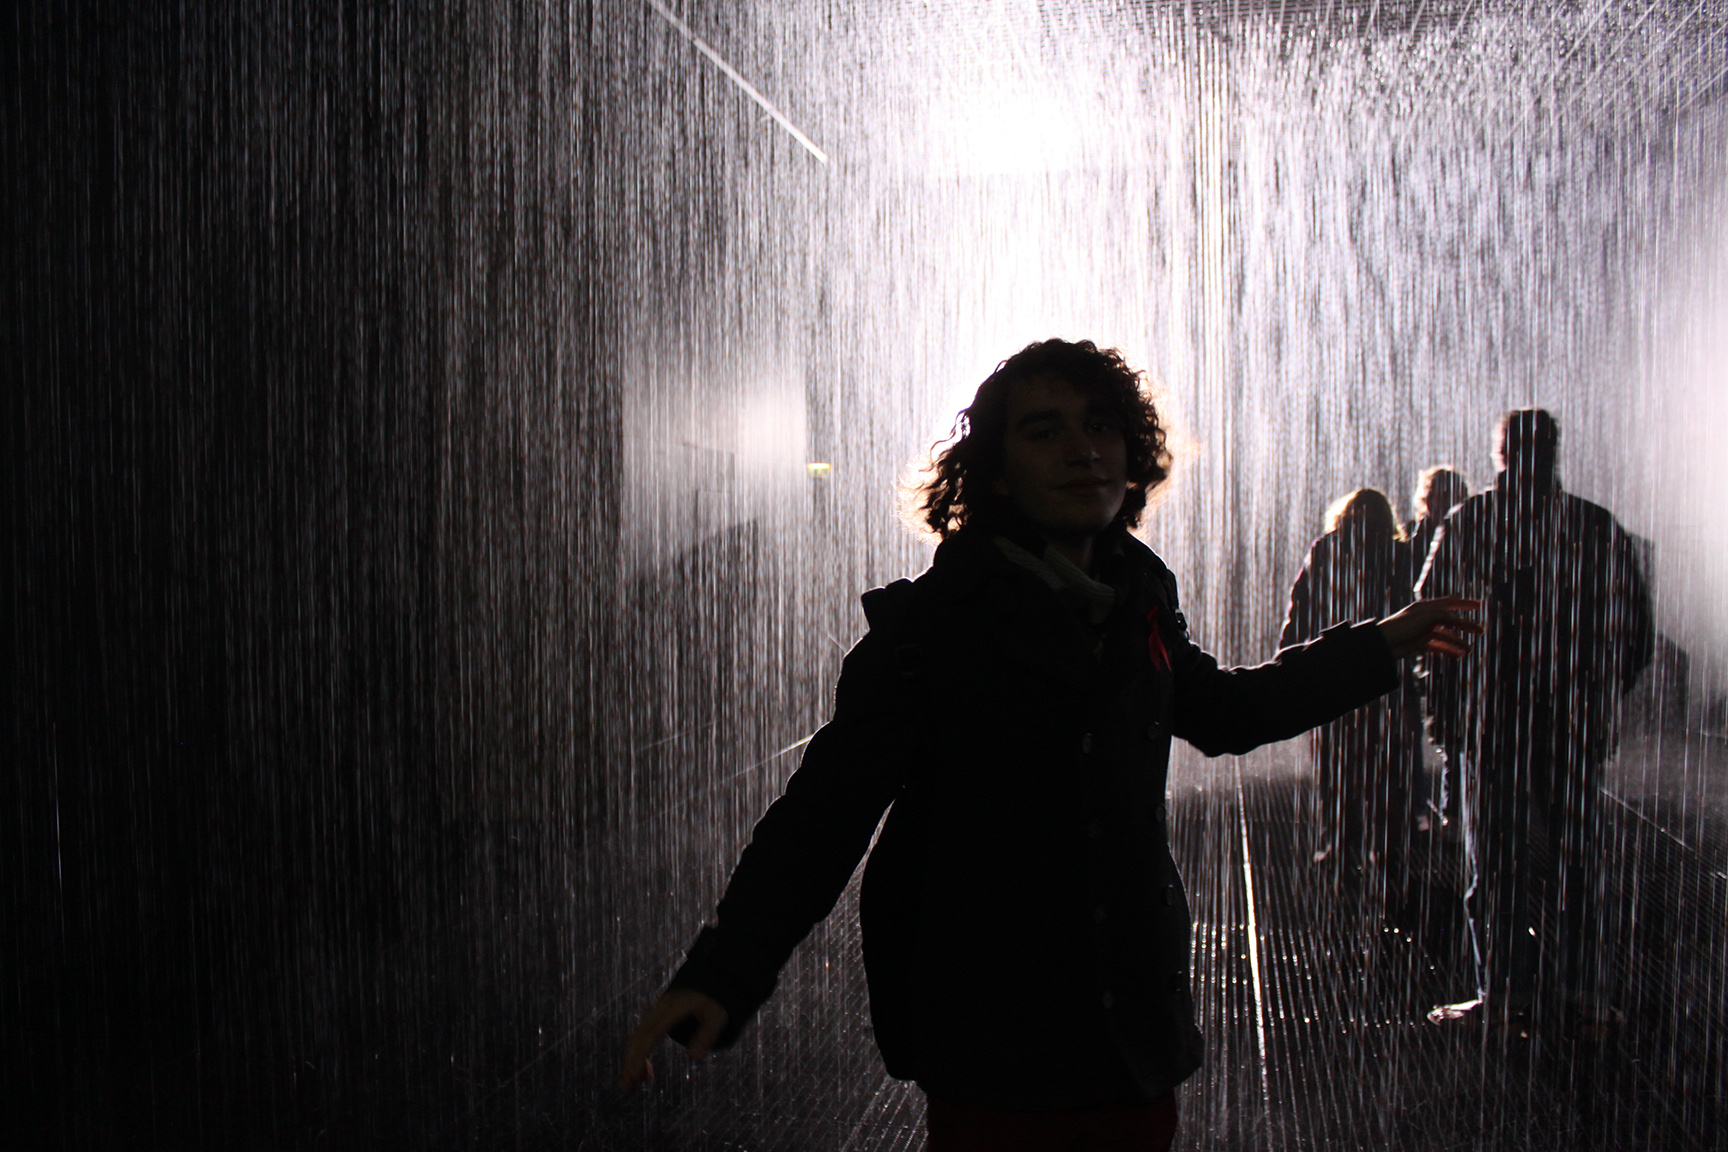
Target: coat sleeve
x: 804, y: 849
x: 1234, y: 710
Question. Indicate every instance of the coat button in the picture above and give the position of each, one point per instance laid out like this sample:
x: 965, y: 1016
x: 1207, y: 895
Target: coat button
x: 1170, y: 894
x: 1159, y: 812
x: 1086, y: 744
x: 1108, y: 1000
x: 1178, y: 981
x: 1152, y: 730
x: 1094, y: 830
x: 1098, y: 914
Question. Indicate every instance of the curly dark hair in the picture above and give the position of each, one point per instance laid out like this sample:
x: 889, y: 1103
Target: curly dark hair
x: 959, y: 489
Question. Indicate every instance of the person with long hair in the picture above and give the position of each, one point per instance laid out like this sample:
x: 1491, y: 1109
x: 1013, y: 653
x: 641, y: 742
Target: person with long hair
x: 1367, y: 762
x: 1026, y: 935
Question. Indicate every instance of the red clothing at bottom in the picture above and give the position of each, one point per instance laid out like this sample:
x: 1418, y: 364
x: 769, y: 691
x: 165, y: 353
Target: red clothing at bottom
x: 1126, y: 1128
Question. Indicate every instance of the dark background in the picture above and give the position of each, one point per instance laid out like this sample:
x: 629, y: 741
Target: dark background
x: 272, y: 627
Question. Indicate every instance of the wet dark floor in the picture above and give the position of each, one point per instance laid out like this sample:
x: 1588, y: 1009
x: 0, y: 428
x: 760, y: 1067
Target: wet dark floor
x: 1327, y: 1048
x: 491, y: 1014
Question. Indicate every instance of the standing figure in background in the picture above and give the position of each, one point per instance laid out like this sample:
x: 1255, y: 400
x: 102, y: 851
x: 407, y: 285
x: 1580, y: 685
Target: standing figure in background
x: 1438, y: 490
x: 1366, y: 761
x: 1532, y: 715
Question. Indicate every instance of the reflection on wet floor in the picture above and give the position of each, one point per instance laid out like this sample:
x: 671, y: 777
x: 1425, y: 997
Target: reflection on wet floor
x: 1337, y: 1053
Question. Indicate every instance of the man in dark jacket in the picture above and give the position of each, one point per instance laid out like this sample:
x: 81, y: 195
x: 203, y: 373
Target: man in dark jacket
x: 1532, y: 716
x: 1026, y: 935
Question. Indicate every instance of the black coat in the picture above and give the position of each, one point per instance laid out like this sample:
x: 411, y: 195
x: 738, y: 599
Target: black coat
x: 1567, y: 629
x: 1368, y: 779
x: 1026, y: 936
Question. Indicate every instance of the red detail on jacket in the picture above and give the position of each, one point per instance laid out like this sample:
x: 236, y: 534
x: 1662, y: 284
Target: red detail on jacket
x: 1155, y: 642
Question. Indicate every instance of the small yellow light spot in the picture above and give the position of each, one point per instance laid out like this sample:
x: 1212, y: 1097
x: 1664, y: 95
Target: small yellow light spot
x: 817, y: 469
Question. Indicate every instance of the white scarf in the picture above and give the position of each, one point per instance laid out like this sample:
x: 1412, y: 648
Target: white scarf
x: 1092, y: 599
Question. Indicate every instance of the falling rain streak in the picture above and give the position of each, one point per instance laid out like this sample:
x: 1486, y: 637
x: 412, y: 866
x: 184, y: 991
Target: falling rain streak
x: 446, y: 444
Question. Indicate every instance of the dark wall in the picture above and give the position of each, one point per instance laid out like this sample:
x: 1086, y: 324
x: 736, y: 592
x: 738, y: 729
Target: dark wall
x: 299, y: 338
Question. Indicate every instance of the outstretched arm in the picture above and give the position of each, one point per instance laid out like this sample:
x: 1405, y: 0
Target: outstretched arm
x: 800, y: 857
x: 1234, y: 710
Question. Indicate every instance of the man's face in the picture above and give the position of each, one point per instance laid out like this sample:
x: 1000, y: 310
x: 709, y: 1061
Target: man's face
x: 1064, y: 462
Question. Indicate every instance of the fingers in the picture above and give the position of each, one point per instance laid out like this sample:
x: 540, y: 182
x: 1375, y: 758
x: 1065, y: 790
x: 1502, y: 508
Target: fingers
x: 713, y: 1019
x: 633, y: 1078
x: 659, y: 1020
x: 1432, y: 627
x: 1448, y: 637
x: 1440, y: 630
x: 637, y: 1070
x: 1443, y: 646
x: 672, y: 1007
x: 1460, y: 624
x: 1454, y: 603
x: 1449, y: 633
x: 1444, y: 612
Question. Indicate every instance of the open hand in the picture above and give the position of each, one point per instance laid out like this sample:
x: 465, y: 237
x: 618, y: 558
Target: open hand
x: 674, y: 1006
x: 1432, y: 627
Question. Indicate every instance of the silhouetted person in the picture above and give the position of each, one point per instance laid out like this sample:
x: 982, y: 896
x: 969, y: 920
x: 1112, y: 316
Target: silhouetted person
x: 1026, y: 936
x: 1366, y: 763
x: 1532, y: 715
x: 1438, y: 490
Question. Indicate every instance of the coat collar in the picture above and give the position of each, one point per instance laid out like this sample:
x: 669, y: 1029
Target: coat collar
x: 1018, y: 615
